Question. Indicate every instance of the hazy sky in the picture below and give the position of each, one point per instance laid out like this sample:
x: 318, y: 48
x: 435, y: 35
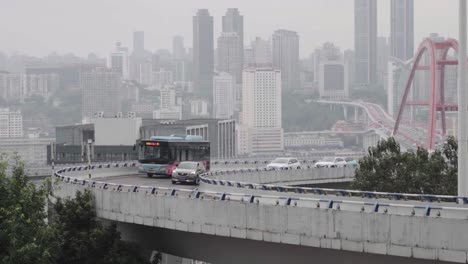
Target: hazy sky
x: 39, y: 27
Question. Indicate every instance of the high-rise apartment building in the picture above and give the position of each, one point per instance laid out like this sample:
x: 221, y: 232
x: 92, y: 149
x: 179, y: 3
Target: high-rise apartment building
x: 40, y: 84
x: 286, y: 58
x: 178, y: 48
x: 223, y: 95
x: 333, y: 74
x: 402, y: 29
x: 203, y: 54
x: 11, y: 85
x: 261, y: 52
x: 229, y: 56
x: 100, y: 92
x: 365, y: 42
x: 118, y: 61
x: 261, y: 128
x: 233, y: 22
x: 11, y: 123
x: 139, y: 57
x: 382, y: 59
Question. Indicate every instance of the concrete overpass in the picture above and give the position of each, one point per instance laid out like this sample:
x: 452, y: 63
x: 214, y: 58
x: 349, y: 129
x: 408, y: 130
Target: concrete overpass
x: 249, y: 225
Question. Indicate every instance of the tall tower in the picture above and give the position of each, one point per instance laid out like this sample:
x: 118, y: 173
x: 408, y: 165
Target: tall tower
x: 286, y: 58
x: 139, y: 43
x: 203, y: 54
x: 118, y: 61
x: 234, y: 22
x: 229, y: 56
x: 402, y: 29
x: 178, y: 48
x: 365, y: 41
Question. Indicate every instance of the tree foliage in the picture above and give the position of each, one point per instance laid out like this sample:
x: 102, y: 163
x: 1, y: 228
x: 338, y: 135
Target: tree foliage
x: 387, y: 169
x: 24, y: 235
x: 73, y: 235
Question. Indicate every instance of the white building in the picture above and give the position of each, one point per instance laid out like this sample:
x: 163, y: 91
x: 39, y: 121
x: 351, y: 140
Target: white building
x: 333, y: 73
x: 199, y: 108
x: 118, y: 61
x: 116, y: 131
x: 11, y: 85
x: 11, y: 124
x: 223, y: 96
x: 261, y: 128
x: 162, y: 78
x: 32, y: 151
x: 174, y: 113
x: 40, y: 84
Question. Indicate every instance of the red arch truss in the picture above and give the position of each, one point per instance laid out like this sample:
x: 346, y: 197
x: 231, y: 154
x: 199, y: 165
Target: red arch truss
x: 437, y: 52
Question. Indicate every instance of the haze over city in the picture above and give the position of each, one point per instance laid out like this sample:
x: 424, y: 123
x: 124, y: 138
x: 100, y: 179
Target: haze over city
x: 227, y: 132
x: 41, y: 27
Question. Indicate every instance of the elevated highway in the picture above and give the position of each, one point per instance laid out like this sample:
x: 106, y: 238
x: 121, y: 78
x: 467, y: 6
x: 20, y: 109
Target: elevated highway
x: 266, y: 223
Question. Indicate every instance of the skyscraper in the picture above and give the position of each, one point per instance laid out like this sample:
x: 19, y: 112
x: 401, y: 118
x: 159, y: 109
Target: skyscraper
x: 139, y: 43
x: 178, y: 48
x: 229, y: 56
x: 118, y: 61
x: 382, y: 59
x: 261, y: 128
x: 100, y: 92
x: 333, y: 83
x: 234, y: 22
x: 365, y: 42
x: 223, y: 96
x: 402, y: 29
x: 261, y: 51
x: 203, y: 54
x: 286, y: 58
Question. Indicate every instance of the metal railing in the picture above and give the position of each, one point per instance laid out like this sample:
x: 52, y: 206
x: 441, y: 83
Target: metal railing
x: 430, y: 209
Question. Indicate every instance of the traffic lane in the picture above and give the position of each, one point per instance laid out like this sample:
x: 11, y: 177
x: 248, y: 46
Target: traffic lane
x: 143, y: 180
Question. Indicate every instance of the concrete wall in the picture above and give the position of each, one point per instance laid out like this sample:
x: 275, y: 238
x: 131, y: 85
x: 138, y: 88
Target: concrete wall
x: 286, y: 177
x: 393, y: 230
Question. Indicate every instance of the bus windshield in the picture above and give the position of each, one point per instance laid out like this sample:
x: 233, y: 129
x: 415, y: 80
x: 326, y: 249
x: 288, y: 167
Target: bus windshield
x: 159, y: 154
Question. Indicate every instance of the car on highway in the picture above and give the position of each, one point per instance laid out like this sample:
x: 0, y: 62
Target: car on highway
x: 188, y: 172
x: 350, y: 162
x: 331, y: 162
x: 283, y: 163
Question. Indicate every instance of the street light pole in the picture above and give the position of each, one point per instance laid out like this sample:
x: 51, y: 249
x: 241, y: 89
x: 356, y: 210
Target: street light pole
x: 462, y: 103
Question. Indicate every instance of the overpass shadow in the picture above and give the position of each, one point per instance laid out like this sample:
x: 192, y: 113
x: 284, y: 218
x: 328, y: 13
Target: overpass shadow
x: 225, y: 250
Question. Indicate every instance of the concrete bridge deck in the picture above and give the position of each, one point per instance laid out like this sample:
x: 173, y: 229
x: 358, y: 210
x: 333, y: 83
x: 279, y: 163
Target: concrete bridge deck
x: 330, y: 229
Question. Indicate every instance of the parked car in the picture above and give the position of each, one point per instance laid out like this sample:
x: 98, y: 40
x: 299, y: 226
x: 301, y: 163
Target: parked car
x: 350, y: 162
x: 283, y: 163
x: 188, y: 172
x: 331, y: 162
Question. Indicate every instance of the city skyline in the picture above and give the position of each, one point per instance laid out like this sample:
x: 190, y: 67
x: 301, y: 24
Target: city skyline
x: 155, y: 18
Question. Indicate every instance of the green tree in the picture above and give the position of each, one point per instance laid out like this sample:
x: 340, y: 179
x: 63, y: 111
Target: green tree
x: 25, y: 237
x: 387, y: 169
x: 85, y: 240
x: 73, y: 235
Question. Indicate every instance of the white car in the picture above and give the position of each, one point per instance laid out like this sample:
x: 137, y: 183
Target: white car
x: 331, y: 162
x: 283, y: 163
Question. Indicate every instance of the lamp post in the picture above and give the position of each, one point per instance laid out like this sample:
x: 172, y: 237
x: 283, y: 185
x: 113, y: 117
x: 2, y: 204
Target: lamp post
x: 462, y: 103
